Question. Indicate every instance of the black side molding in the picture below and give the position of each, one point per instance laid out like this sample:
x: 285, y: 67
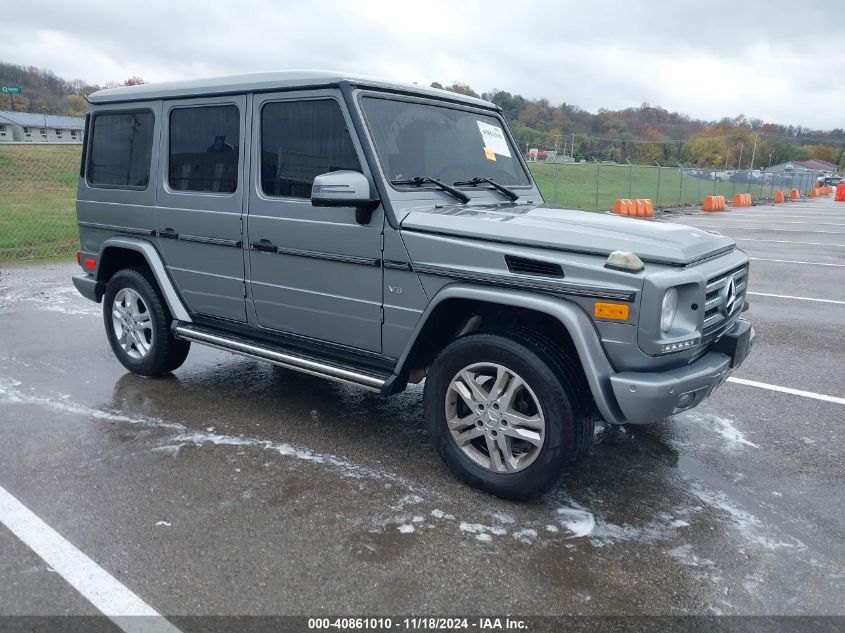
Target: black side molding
x: 389, y: 264
x: 519, y: 282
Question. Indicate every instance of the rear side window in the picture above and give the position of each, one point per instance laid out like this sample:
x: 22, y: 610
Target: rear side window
x: 121, y: 146
x: 204, y: 149
x: 301, y: 140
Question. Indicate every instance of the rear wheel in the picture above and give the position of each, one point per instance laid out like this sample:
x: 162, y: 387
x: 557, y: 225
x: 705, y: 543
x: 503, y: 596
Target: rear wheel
x: 504, y: 415
x: 138, y: 325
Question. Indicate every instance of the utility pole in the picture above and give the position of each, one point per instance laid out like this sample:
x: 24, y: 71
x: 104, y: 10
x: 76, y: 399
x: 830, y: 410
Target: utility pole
x: 739, y: 162
x: 753, y: 153
x: 572, y: 149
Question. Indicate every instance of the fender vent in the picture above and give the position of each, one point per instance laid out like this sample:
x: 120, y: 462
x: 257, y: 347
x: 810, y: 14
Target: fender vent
x: 526, y: 266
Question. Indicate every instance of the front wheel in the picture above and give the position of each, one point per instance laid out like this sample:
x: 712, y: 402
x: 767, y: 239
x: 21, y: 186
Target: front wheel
x: 503, y: 414
x: 138, y: 325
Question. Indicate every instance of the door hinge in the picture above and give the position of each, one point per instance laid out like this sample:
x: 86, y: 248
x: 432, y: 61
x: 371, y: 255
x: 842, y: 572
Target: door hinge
x: 382, y: 242
x: 382, y: 315
x: 244, y: 285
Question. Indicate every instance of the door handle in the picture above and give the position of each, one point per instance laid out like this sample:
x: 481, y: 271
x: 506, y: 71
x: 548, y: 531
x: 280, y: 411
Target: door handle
x: 168, y: 234
x: 265, y: 246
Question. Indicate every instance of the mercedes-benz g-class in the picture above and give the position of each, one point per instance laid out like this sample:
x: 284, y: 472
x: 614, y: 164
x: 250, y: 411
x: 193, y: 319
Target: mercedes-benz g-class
x: 382, y: 234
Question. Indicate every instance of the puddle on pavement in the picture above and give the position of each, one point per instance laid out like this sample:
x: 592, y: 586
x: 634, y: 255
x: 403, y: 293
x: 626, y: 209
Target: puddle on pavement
x: 639, y: 495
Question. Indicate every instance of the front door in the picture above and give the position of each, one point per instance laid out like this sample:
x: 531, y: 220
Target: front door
x: 313, y: 271
x: 200, y: 202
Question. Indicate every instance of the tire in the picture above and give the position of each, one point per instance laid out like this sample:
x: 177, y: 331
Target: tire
x: 551, y: 402
x: 138, y: 325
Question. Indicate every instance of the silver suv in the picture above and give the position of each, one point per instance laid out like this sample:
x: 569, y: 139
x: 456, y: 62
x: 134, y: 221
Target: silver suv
x: 383, y: 234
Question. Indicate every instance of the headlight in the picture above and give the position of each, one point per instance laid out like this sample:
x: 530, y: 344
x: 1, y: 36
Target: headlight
x: 668, y: 310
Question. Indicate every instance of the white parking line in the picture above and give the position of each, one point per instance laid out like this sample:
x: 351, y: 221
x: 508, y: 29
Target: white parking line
x: 101, y: 589
x: 795, y: 261
x: 766, y: 228
x: 766, y: 215
x: 789, y: 390
x: 754, y: 239
x: 767, y: 294
x: 728, y: 222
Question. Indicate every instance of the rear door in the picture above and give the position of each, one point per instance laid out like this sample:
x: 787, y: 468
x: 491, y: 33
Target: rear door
x: 314, y: 271
x: 200, y: 202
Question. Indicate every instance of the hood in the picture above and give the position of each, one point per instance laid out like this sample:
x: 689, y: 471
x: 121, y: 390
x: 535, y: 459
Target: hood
x: 571, y: 230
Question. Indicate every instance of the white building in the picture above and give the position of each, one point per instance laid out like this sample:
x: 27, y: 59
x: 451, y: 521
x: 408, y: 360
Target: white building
x: 25, y: 127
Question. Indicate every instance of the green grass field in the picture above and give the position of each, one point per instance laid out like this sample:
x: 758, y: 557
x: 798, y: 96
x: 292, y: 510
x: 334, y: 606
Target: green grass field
x: 574, y: 185
x: 37, y: 201
x: 38, y: 191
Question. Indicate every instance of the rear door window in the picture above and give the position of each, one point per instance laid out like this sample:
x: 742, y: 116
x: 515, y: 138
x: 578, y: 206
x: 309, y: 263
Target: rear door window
x: 204, y: 149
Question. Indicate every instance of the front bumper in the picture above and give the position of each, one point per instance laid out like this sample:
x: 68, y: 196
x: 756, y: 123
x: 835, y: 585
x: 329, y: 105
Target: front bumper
x: 649, y: 397
x: 89, y: 287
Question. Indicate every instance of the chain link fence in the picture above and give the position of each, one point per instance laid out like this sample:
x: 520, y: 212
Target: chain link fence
x: 38, y: 192
x: 38, y: 201
x: 597, y: 185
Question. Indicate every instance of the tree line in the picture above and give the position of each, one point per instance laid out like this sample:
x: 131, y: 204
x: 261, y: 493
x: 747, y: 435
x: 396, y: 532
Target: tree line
x: 647, y: 134
x: 44, y: 92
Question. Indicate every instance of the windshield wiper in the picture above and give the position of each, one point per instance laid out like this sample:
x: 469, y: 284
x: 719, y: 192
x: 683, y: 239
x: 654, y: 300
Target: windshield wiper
x: 422, y: 180
x: 509, y: 193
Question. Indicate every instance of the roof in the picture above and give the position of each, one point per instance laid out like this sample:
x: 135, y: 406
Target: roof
x: 266, y: 81
x: 816, y: 164
x: 30, y: 119
x: 802, y: 165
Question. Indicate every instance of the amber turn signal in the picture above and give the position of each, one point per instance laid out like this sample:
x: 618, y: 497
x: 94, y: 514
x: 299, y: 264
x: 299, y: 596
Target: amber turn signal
x: 616, y: 311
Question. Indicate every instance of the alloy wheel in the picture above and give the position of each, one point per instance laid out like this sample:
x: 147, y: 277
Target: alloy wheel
x: 133, y: 323
x: 495, y: 417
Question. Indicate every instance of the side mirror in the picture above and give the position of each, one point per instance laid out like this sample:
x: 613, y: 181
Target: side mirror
x: 344, y: 188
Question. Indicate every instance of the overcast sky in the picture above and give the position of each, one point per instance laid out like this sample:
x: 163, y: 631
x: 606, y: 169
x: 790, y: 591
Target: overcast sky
x: 783, y: 62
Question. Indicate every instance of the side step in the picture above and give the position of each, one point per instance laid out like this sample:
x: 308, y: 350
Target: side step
x: 281, y: 357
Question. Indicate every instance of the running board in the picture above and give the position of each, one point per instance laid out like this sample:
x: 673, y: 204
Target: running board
x: 281, y: 357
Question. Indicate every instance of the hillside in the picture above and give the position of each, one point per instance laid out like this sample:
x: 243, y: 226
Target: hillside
x: 643, y: 134
x: 648, y: 133
x: 43, y: 91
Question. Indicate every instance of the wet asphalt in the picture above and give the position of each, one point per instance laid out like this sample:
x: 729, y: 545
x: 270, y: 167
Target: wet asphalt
x: 236, y: 488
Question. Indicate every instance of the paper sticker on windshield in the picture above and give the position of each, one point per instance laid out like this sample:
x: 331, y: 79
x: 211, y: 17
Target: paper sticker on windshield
x: 494, y: 138
x: 489, y: 153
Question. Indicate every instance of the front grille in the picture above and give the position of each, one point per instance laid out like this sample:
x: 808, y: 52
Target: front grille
x: 718, y: 316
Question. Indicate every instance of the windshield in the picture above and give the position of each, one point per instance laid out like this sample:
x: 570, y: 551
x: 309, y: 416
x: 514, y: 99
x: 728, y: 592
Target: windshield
x: 418, y: 140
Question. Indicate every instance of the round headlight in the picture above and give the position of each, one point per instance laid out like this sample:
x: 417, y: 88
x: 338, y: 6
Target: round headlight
x: 668, y: 310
